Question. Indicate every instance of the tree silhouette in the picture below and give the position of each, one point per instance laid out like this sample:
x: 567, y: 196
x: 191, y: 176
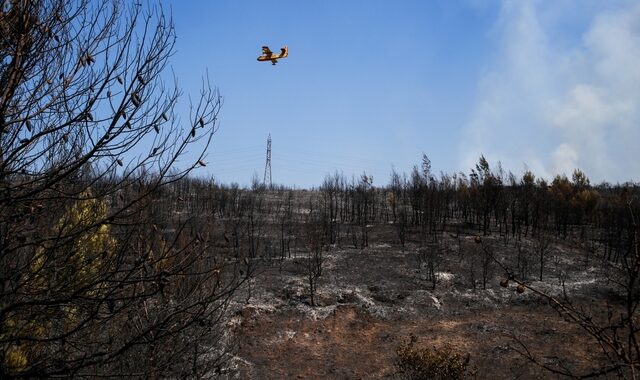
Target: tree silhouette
x: 95, y: 277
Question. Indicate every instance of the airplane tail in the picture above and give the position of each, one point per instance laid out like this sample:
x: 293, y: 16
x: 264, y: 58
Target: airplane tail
x: 284, y: 51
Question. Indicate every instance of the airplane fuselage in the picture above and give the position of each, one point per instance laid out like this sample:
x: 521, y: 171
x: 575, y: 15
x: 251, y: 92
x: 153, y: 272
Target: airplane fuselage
x: 274, y: 57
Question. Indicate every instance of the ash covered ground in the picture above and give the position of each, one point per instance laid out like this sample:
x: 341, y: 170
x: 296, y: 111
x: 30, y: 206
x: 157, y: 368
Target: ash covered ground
x: 370, y: 300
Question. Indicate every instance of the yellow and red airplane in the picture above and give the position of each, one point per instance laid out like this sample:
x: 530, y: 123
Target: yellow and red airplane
x: 267, y: 55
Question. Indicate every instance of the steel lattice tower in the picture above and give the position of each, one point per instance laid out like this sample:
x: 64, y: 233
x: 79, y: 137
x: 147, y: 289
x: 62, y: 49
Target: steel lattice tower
x: 267, y: 166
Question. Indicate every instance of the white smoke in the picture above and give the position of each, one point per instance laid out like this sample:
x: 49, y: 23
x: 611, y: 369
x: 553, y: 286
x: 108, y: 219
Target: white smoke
x: 556, y: 106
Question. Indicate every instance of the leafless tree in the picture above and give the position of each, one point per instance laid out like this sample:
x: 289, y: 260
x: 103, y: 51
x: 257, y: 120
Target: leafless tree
x: 92, y: 280
x: 486, y: 262
x: 430, y: 258
x: 542, y: 244
x: 286, y: 225
x: 329, y: 189
x: 614, y: 328
x: 314, y: 260
x: 401, y: 225
x: 522, y: 261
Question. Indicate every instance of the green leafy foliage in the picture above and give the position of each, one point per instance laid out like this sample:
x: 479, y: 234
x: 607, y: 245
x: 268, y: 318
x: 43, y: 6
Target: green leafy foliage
x: 87, y: 247
x: 71, y: 266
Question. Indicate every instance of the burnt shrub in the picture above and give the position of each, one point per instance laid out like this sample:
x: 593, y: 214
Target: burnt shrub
x: 417, y: 363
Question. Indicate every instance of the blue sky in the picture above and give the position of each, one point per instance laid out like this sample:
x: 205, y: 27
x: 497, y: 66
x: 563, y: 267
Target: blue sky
x: 370, y: 85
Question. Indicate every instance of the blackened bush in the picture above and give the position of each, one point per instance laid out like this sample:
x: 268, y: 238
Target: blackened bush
x: 417, y: 363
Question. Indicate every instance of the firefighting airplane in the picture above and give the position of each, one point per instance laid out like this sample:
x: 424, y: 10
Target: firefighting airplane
x: 267, y: 55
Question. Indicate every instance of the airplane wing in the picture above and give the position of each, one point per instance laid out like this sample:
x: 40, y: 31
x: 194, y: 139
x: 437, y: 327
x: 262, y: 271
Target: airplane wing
x: 266, y: 51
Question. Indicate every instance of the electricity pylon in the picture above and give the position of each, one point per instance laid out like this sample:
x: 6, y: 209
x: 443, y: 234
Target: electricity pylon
x: 267, y: 166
